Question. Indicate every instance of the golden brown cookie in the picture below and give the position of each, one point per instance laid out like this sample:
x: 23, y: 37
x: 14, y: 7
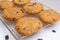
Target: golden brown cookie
x: 12, y: 13
x: 21, y: 2
x: 28, y: 25
x: 33, y: 8
x: 6, y: 4
x: 49, y: 16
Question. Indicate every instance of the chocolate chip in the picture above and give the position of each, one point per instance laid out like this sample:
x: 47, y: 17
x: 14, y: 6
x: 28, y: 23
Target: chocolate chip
x: 13, y: 19
x: 19, y: 0
x: 34, y: 3
x: 17, y: 28
x: 38, y: 28
x: 24, y: 28
x: 53, y: 31
x: 22, y: 10
x: 0, y: 6
x: 17, y: 12
x: 53, y: 19
x: 39, y: 39
x: 6, y: 37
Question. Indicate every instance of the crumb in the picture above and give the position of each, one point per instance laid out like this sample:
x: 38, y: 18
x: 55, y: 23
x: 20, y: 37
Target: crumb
x: 53, y: 31
x: 6, y: 37
x: 39, y: 39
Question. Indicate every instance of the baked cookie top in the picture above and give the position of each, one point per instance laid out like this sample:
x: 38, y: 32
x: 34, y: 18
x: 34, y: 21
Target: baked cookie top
x: 28, y: 25
x: 6, y: 4
x: 49, y: 16
x: 33, y: 8
x: 21, y: 2
x: 13, y: 13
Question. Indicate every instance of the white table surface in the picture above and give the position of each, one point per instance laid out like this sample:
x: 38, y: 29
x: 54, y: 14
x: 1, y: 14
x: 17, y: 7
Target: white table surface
x: 54, y: 4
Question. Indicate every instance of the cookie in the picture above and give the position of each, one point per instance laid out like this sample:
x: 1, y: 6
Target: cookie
x: 49, y: 16
x: 28, y: 25
x: 21, y: 2
x: 6, y: 4
x: 13, y: 13
x: 33, y: 8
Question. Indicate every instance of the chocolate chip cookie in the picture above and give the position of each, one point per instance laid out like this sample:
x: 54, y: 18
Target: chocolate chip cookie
x: 49, y: 16
x: 33, y: 8
x: 13, y: 13
x: 28, y: 25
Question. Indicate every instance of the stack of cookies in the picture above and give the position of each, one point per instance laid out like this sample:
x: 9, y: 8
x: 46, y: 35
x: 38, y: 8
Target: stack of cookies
x: 27, y: 25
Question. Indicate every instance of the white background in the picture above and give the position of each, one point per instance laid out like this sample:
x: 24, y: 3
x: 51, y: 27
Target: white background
x: 47, y: 33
